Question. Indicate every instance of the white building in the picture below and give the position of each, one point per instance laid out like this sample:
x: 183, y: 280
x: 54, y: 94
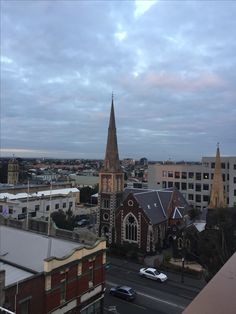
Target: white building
x: 194, y: 180
x: 38, y: 204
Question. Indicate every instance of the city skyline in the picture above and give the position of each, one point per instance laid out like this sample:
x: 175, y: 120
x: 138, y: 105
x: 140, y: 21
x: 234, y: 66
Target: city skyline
x: 171, y: 67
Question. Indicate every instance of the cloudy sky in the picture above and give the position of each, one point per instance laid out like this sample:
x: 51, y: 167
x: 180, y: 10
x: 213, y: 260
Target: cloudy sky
x: 170, y: 64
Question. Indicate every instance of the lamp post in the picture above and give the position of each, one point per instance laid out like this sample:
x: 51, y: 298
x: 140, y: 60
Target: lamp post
x: 183, y: 253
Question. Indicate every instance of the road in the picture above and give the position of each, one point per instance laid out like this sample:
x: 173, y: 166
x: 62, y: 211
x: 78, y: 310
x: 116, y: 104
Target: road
x: 170, y: 297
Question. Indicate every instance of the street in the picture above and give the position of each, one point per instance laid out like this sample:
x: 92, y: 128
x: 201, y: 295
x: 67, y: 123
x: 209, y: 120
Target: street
x: 169, y: 297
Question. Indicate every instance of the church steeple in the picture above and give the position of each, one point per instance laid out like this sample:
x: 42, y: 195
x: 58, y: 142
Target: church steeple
x: 112, y: 162
x: 217, y: 199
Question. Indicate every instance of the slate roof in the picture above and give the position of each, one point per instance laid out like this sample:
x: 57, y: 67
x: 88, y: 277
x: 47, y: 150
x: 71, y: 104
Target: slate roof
x: 156, y: 202
x: 151, y: 203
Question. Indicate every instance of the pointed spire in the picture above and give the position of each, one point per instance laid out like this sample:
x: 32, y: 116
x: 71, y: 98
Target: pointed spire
x: 217, y: 199
x: 112, y: 162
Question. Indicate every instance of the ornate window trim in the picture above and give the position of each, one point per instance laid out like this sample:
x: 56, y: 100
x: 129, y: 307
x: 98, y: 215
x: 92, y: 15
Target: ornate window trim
x: 130, y: 203
x: 130, y: 225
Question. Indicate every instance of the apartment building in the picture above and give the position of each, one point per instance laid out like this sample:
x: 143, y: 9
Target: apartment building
x: 39, y: 204
x: 194, y: 180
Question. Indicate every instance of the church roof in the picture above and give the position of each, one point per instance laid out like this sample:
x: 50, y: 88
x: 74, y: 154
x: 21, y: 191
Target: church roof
x: 112, y: 162
x: 155, y: 203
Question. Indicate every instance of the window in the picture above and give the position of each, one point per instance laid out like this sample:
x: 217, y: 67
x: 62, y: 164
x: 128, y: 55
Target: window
x: 212, y: 176
x: 105, y: 216
x: 184, y: 175
x: 198, y: 198
x: 223, y: 177
x: 190, y: 197
x: 234, y: 192
x: 47, y: 208
x: 177, y: 185
x: 191, y: 186
x: 205, y: 175
x: 234, y: 166
x: 106, y: 203
x: 212, y: 165
x: 130, y: 203
x: 205, y: 198
x: 131, y: 228
x: 56, y: 206
x: 205, y: 187
x: 183, y: 186
x: 163, y: 184
x: 170, y: 174
x: 234, y: 179
x: 63, y: 291
x: 170, y: 184
x: 164, y: 173
x: 177, y: 174
x: 222, y: 165
x: 198, y: 187
x: 198, y: 176
x: 190, y: 175
x: 25, y: 306
x: 36, y: 207
x: 64, y: 205
x: 70, y: 205
x: 24, y: 210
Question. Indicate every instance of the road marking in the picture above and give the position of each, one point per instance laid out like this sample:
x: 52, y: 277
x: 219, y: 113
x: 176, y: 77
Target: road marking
x: 151, y: 297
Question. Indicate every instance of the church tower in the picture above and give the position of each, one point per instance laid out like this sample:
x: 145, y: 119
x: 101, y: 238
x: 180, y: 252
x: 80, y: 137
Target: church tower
x: 13, y: 171
x: 111, y: 183
x: 217, y: 199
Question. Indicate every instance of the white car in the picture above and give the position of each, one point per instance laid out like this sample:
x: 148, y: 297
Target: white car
x: 152, y: 273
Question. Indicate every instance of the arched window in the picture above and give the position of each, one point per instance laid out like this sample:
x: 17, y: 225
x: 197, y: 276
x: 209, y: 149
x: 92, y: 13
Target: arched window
x: 131, y: 228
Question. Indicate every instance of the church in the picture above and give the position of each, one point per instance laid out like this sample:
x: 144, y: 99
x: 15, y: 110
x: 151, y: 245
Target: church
x: 139, y: 217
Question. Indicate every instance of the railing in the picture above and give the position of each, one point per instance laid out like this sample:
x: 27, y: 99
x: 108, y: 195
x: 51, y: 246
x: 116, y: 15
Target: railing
x: 3, y: 311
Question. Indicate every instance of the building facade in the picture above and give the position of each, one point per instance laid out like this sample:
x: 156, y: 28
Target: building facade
x: 194, y: 180
x: 39, y: 204
x: 50, y: 275
x: 13, y: 172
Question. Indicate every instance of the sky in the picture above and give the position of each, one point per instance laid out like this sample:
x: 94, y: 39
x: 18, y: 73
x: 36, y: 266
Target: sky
x: 170, y: 64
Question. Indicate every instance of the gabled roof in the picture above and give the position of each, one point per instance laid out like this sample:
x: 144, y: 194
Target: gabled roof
x: 176, y: 214
x: 155, y: 203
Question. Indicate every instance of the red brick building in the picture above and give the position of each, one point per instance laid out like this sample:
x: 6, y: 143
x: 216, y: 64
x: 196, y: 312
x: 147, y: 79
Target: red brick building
x: 50, y: 275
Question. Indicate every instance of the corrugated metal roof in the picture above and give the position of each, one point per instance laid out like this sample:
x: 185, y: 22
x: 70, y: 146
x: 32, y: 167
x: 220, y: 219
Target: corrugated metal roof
x: 13, y: 274
x: 29, y: 249
x: 40, y: 193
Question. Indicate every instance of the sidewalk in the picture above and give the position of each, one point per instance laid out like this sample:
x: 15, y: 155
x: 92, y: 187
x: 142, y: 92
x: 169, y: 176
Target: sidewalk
x: 174, y: 277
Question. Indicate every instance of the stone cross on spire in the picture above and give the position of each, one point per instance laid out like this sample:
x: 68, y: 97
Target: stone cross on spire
x: 112, y: 162
x: 217, y: 199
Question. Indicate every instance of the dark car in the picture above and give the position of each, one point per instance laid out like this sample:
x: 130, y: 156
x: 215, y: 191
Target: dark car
x: 123, y: 292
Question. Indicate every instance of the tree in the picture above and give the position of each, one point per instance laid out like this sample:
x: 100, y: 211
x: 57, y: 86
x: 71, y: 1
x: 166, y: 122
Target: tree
x: 218, y: 241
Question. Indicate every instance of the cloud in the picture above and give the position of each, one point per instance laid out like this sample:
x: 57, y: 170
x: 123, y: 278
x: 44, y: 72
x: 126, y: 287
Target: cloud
x: 172, y: 68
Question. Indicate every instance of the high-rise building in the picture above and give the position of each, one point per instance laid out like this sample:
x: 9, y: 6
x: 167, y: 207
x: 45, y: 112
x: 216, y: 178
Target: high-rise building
x: 195, y: 180
x: 111, y: 183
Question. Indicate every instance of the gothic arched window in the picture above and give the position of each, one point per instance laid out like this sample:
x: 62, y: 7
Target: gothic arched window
x: 131, y: 228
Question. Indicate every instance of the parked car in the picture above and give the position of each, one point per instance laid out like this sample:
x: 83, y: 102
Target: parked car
x: 152, y: 273
x: 82, y: 223
x: 123, y: 292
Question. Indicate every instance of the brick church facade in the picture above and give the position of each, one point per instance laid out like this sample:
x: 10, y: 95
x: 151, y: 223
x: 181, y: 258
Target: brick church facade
x: 135, y: 216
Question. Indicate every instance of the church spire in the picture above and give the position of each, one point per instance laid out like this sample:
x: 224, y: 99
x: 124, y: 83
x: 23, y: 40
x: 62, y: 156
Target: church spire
x: 217, y: 199
x: 112, y: 162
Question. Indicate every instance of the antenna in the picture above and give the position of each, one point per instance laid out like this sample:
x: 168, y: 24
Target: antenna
x: 27, y: 208
x: 50, y: 206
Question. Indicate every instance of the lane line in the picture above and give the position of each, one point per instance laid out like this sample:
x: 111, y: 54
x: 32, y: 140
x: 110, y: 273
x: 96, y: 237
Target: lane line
x: 151, y: 297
